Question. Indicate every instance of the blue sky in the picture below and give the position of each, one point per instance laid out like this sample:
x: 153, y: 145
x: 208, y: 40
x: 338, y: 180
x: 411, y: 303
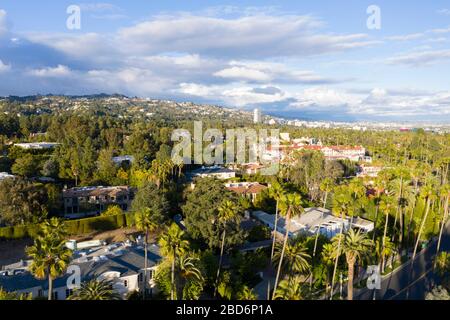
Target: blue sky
x: 316, y: 59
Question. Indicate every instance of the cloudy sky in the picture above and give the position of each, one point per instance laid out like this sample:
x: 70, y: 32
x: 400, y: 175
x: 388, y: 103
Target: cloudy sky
x: 315, y: 60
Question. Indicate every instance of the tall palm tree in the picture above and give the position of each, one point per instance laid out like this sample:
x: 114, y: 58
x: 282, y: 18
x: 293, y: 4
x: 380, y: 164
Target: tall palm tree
x: 354, y: 246
x: 327, y: 257
x: 445, y: 195
x: 290, y: 206
x: 49, y: 254
x: 387, y: 205
x: 343, y: 205
x: 400, y: 184
x: 326, y: 187
x: 276, y: 191
x: 290, y: 289
x: 173, y: 244
x: 296, y: 257
x: 227, y: 212
x: 145, y: 221
x: 384, y: 249
x: 95, y: 290
x: 188, y: 270
x: 429, y: 195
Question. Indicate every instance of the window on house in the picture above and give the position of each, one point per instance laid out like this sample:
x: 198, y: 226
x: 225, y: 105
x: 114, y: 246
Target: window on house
x: 55, y: 295
x: 125, y: 283
x: 150, y: 274
x: 141, y: 277
x: 40, y: 293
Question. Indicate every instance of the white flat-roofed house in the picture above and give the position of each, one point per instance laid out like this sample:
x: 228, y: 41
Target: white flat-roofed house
x: 368, y: 171
x: 344, y: 153
x: 212, y: 172
x: 312, y: 221
x: 37, y: 145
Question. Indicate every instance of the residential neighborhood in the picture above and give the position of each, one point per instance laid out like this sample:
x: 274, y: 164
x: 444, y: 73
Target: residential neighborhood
x: 205, y: 159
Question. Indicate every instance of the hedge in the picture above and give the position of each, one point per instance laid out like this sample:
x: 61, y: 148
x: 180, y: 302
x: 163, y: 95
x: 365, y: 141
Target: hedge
x: 74, y: 227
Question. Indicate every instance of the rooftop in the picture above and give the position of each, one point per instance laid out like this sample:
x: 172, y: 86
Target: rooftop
x: 118, y: 257
x: 96, y: 191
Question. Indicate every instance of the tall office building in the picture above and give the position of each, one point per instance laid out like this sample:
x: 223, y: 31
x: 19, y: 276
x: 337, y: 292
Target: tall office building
x: 257, y: 116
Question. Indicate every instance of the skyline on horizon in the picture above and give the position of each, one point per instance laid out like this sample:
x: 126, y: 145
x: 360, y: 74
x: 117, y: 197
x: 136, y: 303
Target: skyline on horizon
x: 317, y: 61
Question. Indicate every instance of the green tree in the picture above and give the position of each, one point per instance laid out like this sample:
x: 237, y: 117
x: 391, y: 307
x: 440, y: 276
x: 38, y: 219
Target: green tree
x: 26, y: 166
x: 246, y: 294
x: 276, y: 191
x: 95, y: 290
x: 354, y: 245
x: 227, y: 212
x: 290, y: 289
x: 290, y: 206
x: 50, y: 257
x: 145, y: 221
x: 172, y: 245
x: 149, y: 196
x: 200, y: 212
x: 112, y: 210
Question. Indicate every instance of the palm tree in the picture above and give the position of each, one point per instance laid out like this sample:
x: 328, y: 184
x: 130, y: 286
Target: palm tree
x: 4, y: 295
x: 227, y: 212
x: 343, y: 205
x: 401, y: 184
x: 246, y: 294
x: 384, y: 249
x: 387, y: 205
x: 295, y: 257
x: 326, y: 186
x: 188, y: 270
x: 429, y: 195
x: 276, y: 191
x: 327, y: 257
x: 290, y: 206
x: 290, y: 289
x: 95, y: 290
x: 379, y: 186
x: 445, y: 194
x: 172, y: 245
x: 355, y: 246
x: 49, y: 254
x: 145, y: 221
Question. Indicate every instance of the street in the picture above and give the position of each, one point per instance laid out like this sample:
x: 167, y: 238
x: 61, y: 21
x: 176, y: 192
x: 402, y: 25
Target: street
x: 394, y: 286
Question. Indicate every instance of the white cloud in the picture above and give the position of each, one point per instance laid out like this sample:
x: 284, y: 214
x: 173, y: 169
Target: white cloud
x: 265, y: 72
x: 378, y: 102
x: 59, y: 71
x: 243, y: 73
x: 3, y: 23
x: 4, y: 67
x: 245, y: 36
x: 420, y: 58
x: 406, y: 37
x: 237, y: 96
